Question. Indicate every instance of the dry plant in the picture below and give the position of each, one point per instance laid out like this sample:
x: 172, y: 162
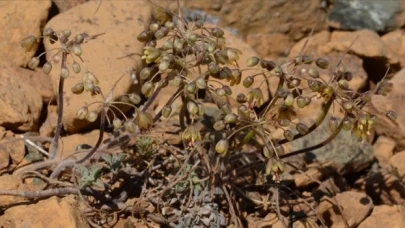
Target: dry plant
x: 228, y: 164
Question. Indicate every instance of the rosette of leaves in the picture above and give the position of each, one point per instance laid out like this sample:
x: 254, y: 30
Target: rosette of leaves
x: 90, y: 176
x: 114, y: 161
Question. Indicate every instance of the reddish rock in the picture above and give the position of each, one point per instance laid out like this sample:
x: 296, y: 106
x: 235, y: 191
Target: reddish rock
x: 271, y: 45
x: 384, y: 150
x: 315, y: 42
x: 398, y: 164
x: 385, y: 216
x: 395, y: 42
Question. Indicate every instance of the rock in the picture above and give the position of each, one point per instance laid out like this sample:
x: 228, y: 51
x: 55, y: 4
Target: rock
x: 315, y: 42
x: 20, y: 103
x: 367, y: 45
x: 378, y: 16
x: 385, y: 216
x: 398, y: 164
x: 52, y: 212
x: 331, y: 186
x: 66, y: 5
x: 108, y: 57
x: 48, y: 127
x: 20, y: 19
x: 310, y: 176
x: 354, y: 206
x: 393, y: 101
x: 384, y: 150
x: 395, y: 42
x: 37, y: 79
x: 15, y: 150
x: 345, y: 152
x: 383, y: 188
x: 271, y: 45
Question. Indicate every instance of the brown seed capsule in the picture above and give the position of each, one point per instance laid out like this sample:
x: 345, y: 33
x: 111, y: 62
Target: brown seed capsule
x: 192, y: 107
x: 284, y: 122
x: 167, y: 110
x: 333, y: 124
x: 117, y: 123
x: 201, y: 83
x: 322, y: 63
x: 343, y: 84
x: 313, y: 73
x: 33, y: 63
x: 77, y: 88
x: 252, y: 61
x: 144, y: 120
x: 347, y: 105
x: 213, y: 68
x: 268, y: 153
x: 88, y: 85
x: 66, y: 33
x: 76, y: 49
x: 279, y: 149
x: 302, y: 128
x: 226, y: 108
x: 219, y: 125
x: 29, y: 43
x: 92, y: 116
x: 230, y: 118
x: 228, y: 90
x: 79, y: 38
x: 147, y: 89
x: 302, y: 102
x: 76, y: 67
x: 314, y: 85
x: 64, y: 72
x: 289, y: 100
x: 47, y: 32
x: 269, y: 166
x: 177, y: 81
x: 222, y: 147
x: 347, y: 125
x: 241, y: 98
x: 289, y: 135
x: 191, y: 88
x: 248, y: 81
x: 134, y: 98
x: 282, y: 92
x: 82, y: 113
x: 47, y: 68
x: 220, y: 92
x: 130, y: 126
x: 154, y: 27
x: 217, y: 32
x: 144, y: 36
x: 164, y: 65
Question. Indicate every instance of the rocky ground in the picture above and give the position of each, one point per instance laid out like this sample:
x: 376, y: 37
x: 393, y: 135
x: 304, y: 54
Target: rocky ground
x: 367, y: 179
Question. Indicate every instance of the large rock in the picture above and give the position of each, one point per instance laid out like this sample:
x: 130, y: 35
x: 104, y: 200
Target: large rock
x: 20, y: 19
x: 108, y: 57
x: 378, y: 16
x: 367, y: 45
x: 270, y: 45
x: 397, y: 163
x: 52, y: 212
x: 395, y: 42
x: 385, y: 216
x: 355, y: 207
x: 66, y: 5
x: 316, y: 41
x: 20, y: 103
x: 384, y: 150
x: 393, y: 101
x: 345, y: 152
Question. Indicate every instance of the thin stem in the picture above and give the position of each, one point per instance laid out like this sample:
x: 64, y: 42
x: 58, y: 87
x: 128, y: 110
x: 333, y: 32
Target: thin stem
x: 58, y: 130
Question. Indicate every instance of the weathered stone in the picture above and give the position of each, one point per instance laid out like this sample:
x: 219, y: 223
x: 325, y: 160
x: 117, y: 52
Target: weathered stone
x: 385, y: 216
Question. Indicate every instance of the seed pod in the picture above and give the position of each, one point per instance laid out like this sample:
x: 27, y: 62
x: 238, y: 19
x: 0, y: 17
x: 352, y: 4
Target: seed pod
x: 391, y: 115
x: 307, y: 59
x: 77, y: 88
x: 226, y: 108
x: 82, y: 113
x: 124, y: 98
x: 282, y: 93
x: 269, y: 166
x: 302, y: 128
x: 241, y: 98
x: 233, y: 54
x: 220, y: 92
x: 217, y: 32
x: 66, y: 33
x: 227, y: 89
x: 29, y: 43
x: 252, y: 61
x: 47, y: 68
x: 147, y: 88
x: 294, y: 83
x: 134, y: 98
x: 117, y: 123
x: 222, y: 147
x: 130, y: 127
x: 333, y: 124
x: 91, y: 77
x: 164, y: 65
x: 192, y: 107
x: 284, y: 122
x: 159, y: 34
x: 347, y: 124
x: 289, y: 135
x: 302, y: 102
x: 230, y: 118
x: 343, y: 84
x: 79, y: 38
x: 154, y: 27
x: 167, y: 110
x: 221, y: 57
x: 322, y: 63
x: 169, y: 25
x: 177, y: 81
x: 314, y: 85
x: 225, y: 73
x: 201, y: 83
x: 213, y: 68
x: 33, y: 63
x: 76, y: 49
x: 64, y: 72
x: 298, y: 60
x: 76, y: 67
x: 278, y: 71
x: 211, y: 47
x: 281, y: 167
x: 219, y: 125
x: 237, y: 77
x: 348, y: 76
x: 347, y: 105
x: 289, y: 100
x: 243, y: 110
x: 144, y: 120
x: 167, y: 45
x: 88, y: 85
x: 191, y: 88
x: 178, y: 44
x: 201, y: 110
x: 279, y: 149
x: 313, y: 73
x: 249, y: 136
x: 47, y: 32
x: 363, y: 119
x: 268, y: 153
x: 144, y: 36
x: 248, y: 81
x: 92, y: 116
